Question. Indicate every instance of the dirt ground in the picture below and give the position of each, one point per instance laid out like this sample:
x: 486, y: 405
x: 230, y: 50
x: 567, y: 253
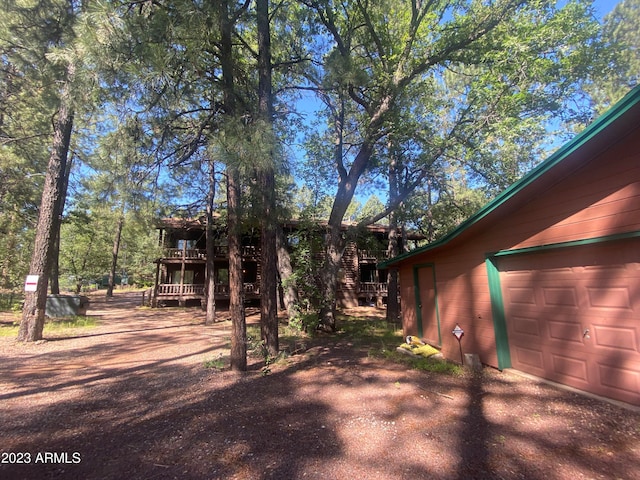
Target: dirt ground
x: 132, y: 399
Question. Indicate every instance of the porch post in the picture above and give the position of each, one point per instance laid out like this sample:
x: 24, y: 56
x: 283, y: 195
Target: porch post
x: 154, y: 300
x: 182, y: 268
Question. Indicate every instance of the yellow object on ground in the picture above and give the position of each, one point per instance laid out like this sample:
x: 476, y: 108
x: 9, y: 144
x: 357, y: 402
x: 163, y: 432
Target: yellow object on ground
x: 413, y: 340
x: 422, y: 350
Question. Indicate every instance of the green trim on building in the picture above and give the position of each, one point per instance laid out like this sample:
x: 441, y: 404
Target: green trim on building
x: 573, y: 243
x: 602, y: 122
x: 418, y: 300
x: 497, y: 312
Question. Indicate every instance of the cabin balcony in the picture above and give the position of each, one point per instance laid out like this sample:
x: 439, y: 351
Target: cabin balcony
x: 177, y: 290
x: 372, y: 293
x: 373, y: 288
x: 221, y: 251
x: 372, y: 255
x: 185, y: 254
x: 188, y: 291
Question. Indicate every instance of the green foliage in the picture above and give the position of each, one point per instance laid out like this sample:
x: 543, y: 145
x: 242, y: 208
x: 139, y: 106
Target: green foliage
x: 372, y: 207
x: 306, y: 245
x: 17, y: 228
x: 10, y: 301
x: 305, y: 322
x: 29, y: 31
x: 9, y: 330
x: 84, y: 247
x: 77, y: 321
x: 434, y: 212
x: 217, y: 363
x: 254, y: 342
x: 435, y: 366
x: 420, y: 363
x: 622, y: 40
x: 59, y: 326
x: 257, y: 348
x: 117, y: 189
x: 459, y: 95
x: 87, y: 242
x: 365, y: 329
x: 469, y: 85
x: 383, y: 338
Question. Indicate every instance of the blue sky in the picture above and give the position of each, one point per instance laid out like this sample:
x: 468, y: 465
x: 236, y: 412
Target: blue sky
x: 603, y: 7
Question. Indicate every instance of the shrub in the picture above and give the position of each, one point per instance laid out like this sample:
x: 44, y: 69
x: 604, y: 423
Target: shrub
x: 214, y: 363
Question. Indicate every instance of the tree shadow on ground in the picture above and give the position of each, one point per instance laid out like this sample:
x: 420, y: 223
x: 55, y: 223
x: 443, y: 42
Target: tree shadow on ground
x: 133, y: 429
x: 540, y: 433
x: 331, y: 412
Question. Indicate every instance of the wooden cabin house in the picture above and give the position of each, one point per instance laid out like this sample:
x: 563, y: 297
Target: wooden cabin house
x: 180, y: 272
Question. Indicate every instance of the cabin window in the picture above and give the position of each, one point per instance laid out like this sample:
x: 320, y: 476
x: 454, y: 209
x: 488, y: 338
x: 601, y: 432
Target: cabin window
x: 188, y: 277
x: 368, y: 273
x: 186, y: 243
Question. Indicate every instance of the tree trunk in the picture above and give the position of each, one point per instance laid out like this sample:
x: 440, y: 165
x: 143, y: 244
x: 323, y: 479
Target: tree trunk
x: 268, y: 259
x: 55, y: 265
x: 329, y: 278
x: 55, y: 272
x: 236, y: 288
x: 393, y: 308
x: 335, y: 243
x: 114, y: 255
x: 35, y: 303
x: 210, y: 292
x: 285, y: 270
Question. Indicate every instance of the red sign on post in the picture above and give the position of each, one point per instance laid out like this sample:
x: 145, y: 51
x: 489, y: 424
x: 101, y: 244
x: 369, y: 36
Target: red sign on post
x: 31, y: 283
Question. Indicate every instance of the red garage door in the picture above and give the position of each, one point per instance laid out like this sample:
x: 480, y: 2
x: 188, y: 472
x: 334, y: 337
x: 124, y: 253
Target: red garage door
x: 573, y: 316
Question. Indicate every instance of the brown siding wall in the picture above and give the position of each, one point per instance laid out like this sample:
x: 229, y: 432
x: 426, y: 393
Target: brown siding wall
x: 463, y: 298
x: 601, y: 198
x: 347, y: 294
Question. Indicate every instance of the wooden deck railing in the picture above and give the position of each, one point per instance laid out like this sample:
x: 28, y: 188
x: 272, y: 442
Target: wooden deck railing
x: 190, y: 253
x: 177, y: 290
x: 171, y: 289
x: 373, y: 288
x: 221, y: 251
x: 372, y: 254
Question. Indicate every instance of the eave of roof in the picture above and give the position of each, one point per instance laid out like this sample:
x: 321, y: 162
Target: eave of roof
x: 603, y: 122
x: 199, y: 223
x: 185, y: 223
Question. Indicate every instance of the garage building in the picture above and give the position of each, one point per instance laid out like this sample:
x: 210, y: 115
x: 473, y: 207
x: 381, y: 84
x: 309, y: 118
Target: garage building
x: 545, y: 278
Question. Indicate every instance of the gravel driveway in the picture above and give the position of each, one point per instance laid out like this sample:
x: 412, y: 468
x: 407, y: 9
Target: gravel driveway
x: 131, y: 399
